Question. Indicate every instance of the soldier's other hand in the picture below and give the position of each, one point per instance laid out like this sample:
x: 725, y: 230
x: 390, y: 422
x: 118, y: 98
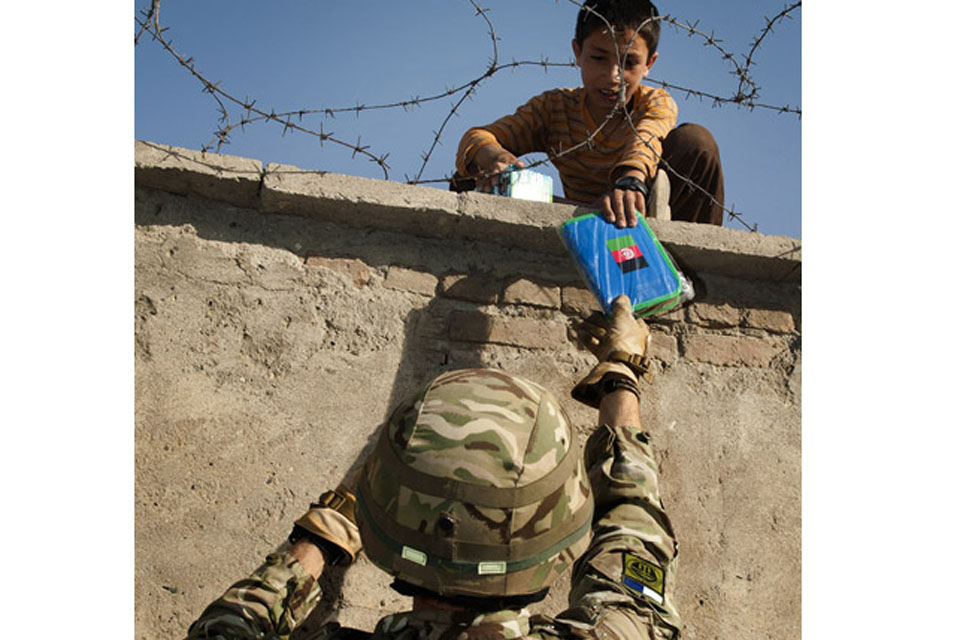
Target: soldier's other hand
x: 620, y: 332
x: 332, y: 518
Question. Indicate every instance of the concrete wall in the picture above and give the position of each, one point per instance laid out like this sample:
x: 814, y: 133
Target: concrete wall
x: 280, y: 314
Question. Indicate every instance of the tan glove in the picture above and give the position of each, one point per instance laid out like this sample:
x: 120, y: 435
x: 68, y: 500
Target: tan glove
x: 620, y: 344
x: 332, y: 520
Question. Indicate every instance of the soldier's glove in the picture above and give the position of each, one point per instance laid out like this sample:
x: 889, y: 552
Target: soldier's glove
x: 331, y: 525
x: 620, y: 343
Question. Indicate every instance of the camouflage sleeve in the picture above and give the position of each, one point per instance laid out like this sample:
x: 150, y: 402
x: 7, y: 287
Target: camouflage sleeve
x: 623, y: 585
x: 268, y: 605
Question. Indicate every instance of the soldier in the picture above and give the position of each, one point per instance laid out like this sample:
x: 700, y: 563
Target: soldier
x: 475, y: 499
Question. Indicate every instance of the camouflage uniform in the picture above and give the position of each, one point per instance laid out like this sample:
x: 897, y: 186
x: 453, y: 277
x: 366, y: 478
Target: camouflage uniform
x: 622, y: 587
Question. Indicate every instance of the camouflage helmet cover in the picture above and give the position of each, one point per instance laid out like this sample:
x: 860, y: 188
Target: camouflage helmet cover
x: 476, y: 487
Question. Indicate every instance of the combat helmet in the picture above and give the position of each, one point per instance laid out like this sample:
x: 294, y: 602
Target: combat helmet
x: 476, y: 487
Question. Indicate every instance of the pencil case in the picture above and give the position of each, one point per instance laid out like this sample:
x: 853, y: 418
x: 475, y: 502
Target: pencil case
x: 629, y: 261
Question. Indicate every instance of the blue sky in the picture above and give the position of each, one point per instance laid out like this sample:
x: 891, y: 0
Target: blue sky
x: 310, y: 55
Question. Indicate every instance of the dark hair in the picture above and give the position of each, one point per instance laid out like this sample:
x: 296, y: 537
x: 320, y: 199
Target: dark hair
x: 622, y: 14
x: 474, y: 603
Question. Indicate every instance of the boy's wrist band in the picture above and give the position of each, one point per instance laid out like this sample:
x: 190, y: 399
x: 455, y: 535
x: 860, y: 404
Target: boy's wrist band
x: 631, y: 183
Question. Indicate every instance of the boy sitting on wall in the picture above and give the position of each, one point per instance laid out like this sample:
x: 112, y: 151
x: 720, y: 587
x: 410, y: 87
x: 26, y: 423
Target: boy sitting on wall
x: 614, y: 171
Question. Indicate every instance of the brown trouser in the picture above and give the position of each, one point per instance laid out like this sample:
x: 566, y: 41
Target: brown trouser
x: 690, y: 152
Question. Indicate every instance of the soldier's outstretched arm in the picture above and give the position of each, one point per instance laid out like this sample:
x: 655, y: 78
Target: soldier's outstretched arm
x: 281, y: 593
x: 623, y: 585
x: 270, y: 603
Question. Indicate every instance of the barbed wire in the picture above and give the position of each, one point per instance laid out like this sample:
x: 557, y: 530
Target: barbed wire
x: 647, y: 142
x: 745, y: 96
x: 767, y: 29
x: 221, y: 135
x: 719, y: 100
x: 153, y: 13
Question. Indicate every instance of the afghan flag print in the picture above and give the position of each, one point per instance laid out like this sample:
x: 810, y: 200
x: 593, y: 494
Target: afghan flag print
x: 626, y: 253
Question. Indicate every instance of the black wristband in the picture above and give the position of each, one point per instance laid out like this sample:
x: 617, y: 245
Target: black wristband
x: 615, y: 382
x: 631, y: 183
x: 332, y: 554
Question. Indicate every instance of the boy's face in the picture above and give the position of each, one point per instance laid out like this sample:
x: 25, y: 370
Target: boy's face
x: 599, y: 61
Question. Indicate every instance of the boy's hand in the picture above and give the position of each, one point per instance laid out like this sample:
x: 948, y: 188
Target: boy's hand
x: 620, y: 206
x: 491, y: 160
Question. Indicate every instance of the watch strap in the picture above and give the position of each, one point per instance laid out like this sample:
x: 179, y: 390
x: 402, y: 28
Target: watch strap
x: 640, y: 365
x: 340, y: 500
x: 631, y: 183
x: 332, y: 554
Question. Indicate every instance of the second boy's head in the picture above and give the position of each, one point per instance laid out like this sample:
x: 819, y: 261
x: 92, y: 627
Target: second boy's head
x: 600, y: 53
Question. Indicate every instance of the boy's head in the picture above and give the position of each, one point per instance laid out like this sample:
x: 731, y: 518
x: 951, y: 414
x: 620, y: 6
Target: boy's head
x: 622, y: 15
x: 608, y: 59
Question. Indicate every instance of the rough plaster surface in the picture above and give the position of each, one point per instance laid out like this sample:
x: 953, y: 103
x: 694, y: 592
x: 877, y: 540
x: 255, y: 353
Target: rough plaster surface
x: 270, y: 347
x: 366, y: 203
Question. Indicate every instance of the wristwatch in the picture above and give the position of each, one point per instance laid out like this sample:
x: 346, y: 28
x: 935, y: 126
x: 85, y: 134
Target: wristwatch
x: 631, y: 183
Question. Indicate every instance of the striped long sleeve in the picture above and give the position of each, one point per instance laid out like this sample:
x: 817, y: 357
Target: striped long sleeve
x: 557, y: 121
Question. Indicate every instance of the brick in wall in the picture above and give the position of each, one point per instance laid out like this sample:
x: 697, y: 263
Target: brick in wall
x: 482, y: 289
x: 402, y: 279
x: 714, y: 316
x: 577, y: 300
x: 530, y: 293
x: 730, y: 350
x: 663, y: 347
x: 769, y: 320
x: 671, y: 317
x: 355, y: 269
x: 431, y: 326
x: 475, y: 326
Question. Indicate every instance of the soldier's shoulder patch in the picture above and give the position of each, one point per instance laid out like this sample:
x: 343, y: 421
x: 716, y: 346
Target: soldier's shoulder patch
x: 642, y: 577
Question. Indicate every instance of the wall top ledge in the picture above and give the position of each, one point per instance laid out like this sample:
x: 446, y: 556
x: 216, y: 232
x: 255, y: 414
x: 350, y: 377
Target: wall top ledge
x: 431, y: 212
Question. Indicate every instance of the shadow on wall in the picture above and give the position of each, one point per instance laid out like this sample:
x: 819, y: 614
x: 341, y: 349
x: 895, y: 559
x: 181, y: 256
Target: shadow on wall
x: 445, y: 333
x: 223, y: 222
x: 424, y: 356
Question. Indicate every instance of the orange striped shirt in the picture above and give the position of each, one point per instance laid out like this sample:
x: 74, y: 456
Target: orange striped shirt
x: 558, y: 119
